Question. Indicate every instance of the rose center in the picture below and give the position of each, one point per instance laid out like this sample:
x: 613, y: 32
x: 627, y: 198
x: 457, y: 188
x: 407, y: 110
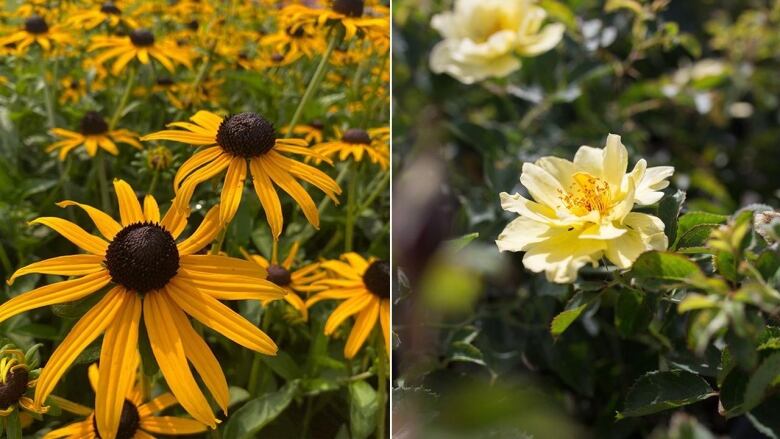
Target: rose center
x: 246, y: 135
x: 586, y: 194
x: 377, y: 279
x: 14, y: 387
x: 128, y: 422
x: 279, y: 275
x: 93, y: 124
x: 142, y: 37
x: 142, y: 257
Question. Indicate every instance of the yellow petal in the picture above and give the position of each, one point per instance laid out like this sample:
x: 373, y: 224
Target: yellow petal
x: 200, y: 355
x: 71, y: 265
x: 88, y: 328
x: 200, y: 158
x: 74, y: 234
x: 157, y: 405
x: 81, y: 429
x: 363, y: 325
x: 222, y: 319
x: 203, y: 235
x: 285, y: 181
x: 384, y: 320
x: 229, y: 287
x: 107, y: 226
x: 232, y: 189
x: 151, y: 209
x: 268, y: 197
x: 118, y: 365
x: 222, y: 265
x: 208, y: 120
x: 181, y: 136
x: 129, y: 208
x: 60, y: 292
x: 346, y: 309
x: 168, y: 349
x: 170, y: 425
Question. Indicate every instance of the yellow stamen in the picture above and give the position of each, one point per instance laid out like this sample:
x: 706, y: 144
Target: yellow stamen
x: 586, y: 194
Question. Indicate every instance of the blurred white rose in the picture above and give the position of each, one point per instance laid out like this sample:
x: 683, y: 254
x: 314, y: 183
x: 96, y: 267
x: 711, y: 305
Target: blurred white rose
x: 483, y: 38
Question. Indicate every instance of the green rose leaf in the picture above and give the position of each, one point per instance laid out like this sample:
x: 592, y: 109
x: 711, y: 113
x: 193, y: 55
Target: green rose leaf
x: 657, y: 391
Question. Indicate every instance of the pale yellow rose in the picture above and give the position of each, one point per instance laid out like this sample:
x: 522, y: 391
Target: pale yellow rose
x: 483, y: 38
x: 582, y: 211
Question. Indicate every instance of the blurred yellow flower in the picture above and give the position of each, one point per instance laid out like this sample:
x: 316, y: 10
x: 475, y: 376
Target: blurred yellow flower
x: 482, y: 38
x: 582, y: 211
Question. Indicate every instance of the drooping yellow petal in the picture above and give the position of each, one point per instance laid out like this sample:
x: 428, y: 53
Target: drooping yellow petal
x: 71, y: 265
x: 384, y: 321
x: 363, y: 325
x: 335, y: 294
x: 222, y: 319
x: 285, y: 181
x: 200, y: 355
x: 170, y: 425
x: 129, y: 208
x: 56, y: 293
x: 107, y: 226
x: 168, y: 349
x: 296, y: 302
x: 232, y: 189
x: 74, y: 234
x: 203, y: 235
x: 70, y: 406
x: 346, y: 309
x: 118, y: 365
x: 200, y: 158
x: 268, y: 197
x: 88, y: 328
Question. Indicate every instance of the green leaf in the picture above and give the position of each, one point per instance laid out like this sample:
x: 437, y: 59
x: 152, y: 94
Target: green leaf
x: 663, y: 265
x: 283, y: 365
x: 762, y: 378
x: 574, y: 308
x: 732, y: 392
x: 692, y: 219
x: 245, y: 422
x: 668, y: 211
x: 726, y: 265
x: 458, y: 244
x: 696, y: 236
x: 633, y: 311
x: 657, y: 391
x: 560, y: 12
x: 765, y: 419
x: 362, y: 409
x: 13, y: 425
x: 767, y: 264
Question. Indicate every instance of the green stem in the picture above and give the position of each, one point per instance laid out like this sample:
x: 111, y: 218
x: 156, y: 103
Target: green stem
x: 378, y: 189
x: 217, y: 246
x: 100, y: 164
x: 319, y: 73
x: 153, y: 184
x: 254, y: 374
x: 307, y: 417
x: 123, y: 100
x: 349, y: 230
x: 5, y: 260
x: 381, y: 376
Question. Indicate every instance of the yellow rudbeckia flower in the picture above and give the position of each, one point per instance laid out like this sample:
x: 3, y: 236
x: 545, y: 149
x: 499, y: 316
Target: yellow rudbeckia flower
x: 581, y: 211
x: 241, y: 142
x: 148, y: 273
x: 139, y: 420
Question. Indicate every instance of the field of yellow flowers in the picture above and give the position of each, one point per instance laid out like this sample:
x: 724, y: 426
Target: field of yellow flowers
x: 194, y: 218
x: 585, y: 219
